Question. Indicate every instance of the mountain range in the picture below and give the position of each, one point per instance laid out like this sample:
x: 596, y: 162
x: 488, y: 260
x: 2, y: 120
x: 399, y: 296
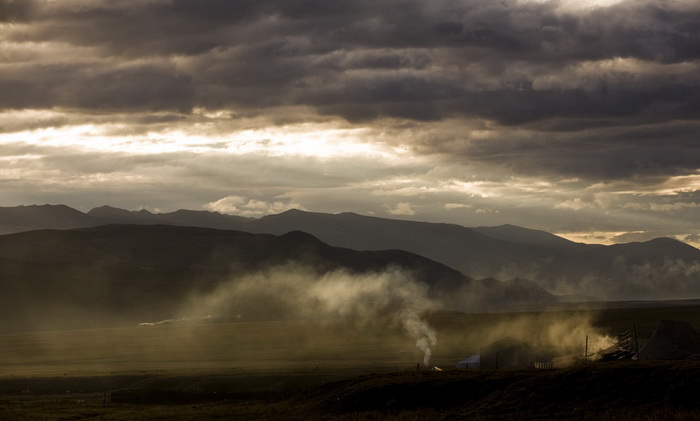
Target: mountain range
x: 126, y: 274
x: 658, y: 269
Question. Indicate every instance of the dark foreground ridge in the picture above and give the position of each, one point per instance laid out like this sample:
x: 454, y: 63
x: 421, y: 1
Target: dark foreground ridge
x: 660, y: 390
x: 525, y: 394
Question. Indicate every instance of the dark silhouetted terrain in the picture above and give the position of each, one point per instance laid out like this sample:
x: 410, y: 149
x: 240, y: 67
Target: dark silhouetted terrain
x: 658, y: 269
x: 132, y: 273
x: 631, y: 391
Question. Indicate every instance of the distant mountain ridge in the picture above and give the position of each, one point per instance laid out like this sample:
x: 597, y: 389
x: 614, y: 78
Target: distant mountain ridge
x: 116, y: 274
x: 24, y: 218
x: 657, y: 269
x: 522, y: 235
x: 182, y: 217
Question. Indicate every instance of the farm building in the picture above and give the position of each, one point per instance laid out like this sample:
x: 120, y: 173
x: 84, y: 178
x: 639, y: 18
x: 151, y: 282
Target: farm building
x: 672, y: 340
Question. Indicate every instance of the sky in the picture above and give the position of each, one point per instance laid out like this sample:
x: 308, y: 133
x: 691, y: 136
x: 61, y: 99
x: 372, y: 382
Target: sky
x: 578, y: 117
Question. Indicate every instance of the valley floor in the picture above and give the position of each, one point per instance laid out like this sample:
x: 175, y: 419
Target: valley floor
x: 594, y: 391
x: 340, y: 369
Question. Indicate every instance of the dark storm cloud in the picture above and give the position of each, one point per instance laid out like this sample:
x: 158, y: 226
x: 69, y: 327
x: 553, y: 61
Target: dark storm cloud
x: 645, y: 153
x: 644, y: 29
x: 589, y: 92
x: 308, y: 51
x: 95, y: 87
x: 16, y: 10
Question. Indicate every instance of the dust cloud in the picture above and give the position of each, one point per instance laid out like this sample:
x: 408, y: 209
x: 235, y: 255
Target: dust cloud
x: 564, y: 330
x: 294, y: 292
x: 299, y: 316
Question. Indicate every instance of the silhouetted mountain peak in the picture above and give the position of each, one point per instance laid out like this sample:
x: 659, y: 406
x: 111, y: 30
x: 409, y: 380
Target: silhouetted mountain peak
x: 109, y: 211
x: 291, y: 214
x: 194, y: 212
x: 297, y: 236
x: 669, y: 242
x: 663, y: 246
x: 51, y: 208
x: 522, y: 235
x: 659, y: 246
x: 293, y: 211
x: 14, y: 219
x: 111, y: 215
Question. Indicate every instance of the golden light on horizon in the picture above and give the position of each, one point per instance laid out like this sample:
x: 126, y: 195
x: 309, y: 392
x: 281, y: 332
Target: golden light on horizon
x: 305, y: 140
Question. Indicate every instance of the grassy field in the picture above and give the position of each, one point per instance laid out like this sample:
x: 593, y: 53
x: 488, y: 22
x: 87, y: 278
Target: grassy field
x: 217, y: 346
x: 594, y: 391
x: 338, y: 369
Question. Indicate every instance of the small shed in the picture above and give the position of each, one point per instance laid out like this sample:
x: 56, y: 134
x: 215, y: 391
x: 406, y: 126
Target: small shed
x: 473, y: 361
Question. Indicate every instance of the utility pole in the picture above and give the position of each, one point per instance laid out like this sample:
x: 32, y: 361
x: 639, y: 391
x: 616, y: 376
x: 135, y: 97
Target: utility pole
x: 636, y: 343
x: 585, y: 355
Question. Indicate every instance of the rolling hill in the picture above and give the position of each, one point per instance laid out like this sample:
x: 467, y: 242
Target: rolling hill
x: 116, y: 274
x: 657, y: 269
